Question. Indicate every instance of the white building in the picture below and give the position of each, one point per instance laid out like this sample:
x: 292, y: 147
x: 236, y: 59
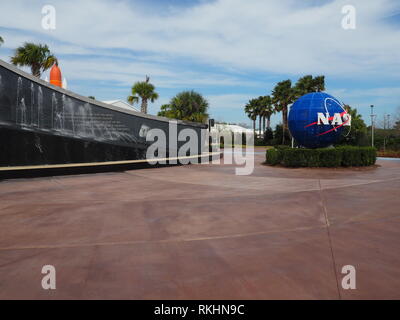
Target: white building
x: 122, y: 104
x: 222, y: 132
x: 219, y: 127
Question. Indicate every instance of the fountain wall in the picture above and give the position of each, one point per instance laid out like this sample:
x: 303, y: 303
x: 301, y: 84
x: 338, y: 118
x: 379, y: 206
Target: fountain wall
x: 44, y: 124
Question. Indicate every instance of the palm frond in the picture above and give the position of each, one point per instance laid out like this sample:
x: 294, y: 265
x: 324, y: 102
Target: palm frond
x: 133, y: 99
x: 37, y: 57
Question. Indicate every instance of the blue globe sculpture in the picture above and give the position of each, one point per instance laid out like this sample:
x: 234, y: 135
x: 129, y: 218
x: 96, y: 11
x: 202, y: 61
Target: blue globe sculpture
x: 311, y: 130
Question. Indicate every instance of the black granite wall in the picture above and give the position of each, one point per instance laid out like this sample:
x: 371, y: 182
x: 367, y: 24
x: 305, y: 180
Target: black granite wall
x: 41, y: 124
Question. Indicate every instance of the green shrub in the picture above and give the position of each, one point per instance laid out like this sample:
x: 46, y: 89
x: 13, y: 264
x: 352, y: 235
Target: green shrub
x: 368, y: 156
x: 272, y: 157
x: 259, y: 142
x: 346, y: 156
x: 312, y: 157
x: 293, y: 158
x: 281, y: 147
x: 358, y: 156
x: 330, y: 157
x: 350, y: 156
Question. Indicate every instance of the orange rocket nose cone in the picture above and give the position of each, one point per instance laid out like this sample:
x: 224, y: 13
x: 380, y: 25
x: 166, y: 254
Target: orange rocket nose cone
x: 55, y: 76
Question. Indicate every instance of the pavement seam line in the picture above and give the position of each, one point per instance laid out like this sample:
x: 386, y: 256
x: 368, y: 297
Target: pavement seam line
x: 161, y: 241
x: 329, y: 237
x: 185, y: 240
x: 225, y: 197
x: 157, y: 178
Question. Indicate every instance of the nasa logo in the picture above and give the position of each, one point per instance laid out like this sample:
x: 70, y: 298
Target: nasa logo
x: 336, y: 121
x: 343, y: 119
x: 317, y: 119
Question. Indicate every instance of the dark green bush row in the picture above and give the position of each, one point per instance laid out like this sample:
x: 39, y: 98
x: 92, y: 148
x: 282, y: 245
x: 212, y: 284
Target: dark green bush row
x: 344, y: 156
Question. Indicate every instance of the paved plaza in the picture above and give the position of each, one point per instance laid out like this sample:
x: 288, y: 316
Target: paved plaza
x: 201, y: 232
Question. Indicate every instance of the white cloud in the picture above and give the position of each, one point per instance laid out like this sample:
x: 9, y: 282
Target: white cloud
x: 229, y: 100
x: 119, y: 41
x: 385, y: 99
x: 276, y: 36
x: 125, y: 73
x: 363, y: 98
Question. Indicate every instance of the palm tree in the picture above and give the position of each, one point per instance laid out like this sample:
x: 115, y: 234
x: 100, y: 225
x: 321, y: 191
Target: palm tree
x: 186, y: 105
x: 319, y: 83
x: 37, y: 57
x: 1, y: 41
x: 303, y: 85
x: 308, y: 84
x: 251, y: 110
x: 282, y: 96
x: 357, y: 133
x: 145, y: 91
x: 266, y: 111
x: 165, y: 111
x: 259, y: 112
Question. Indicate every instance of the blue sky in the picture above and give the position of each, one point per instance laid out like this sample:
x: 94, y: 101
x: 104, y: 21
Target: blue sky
x: 228, y: 50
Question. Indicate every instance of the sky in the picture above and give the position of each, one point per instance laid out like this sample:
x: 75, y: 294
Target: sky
x: 228, y: 50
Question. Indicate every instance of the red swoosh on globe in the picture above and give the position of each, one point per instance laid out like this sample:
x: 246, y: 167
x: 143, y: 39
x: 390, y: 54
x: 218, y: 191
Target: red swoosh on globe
x: 333, y: 128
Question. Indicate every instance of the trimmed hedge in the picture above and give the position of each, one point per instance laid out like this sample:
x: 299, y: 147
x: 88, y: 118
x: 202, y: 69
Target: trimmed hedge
x: 344, y: 156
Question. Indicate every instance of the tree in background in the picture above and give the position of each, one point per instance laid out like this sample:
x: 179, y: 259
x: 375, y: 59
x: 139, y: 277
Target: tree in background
x: 165, y: 111
x: 187, y: 105
x: 278, y: 135
x: 319, y: 83
x: 251, y: 110
x: 356, y: 134
x: 259, y: 112
x: 267, y: 110
x: 145, y: 91
x: 387, y: 137
x: 308, y: 84
x: 397, y: 125
x: 36, y: 56
x: 1, y: 41
x: 282, y: 97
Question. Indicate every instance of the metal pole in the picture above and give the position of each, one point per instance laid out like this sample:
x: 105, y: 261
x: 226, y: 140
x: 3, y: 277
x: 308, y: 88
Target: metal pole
x: 372, y: 124
x: 384, y: 145
x: 384, y: 121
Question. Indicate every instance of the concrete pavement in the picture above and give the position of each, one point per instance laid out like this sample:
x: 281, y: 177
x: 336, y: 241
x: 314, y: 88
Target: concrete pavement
x: 201, y: 232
